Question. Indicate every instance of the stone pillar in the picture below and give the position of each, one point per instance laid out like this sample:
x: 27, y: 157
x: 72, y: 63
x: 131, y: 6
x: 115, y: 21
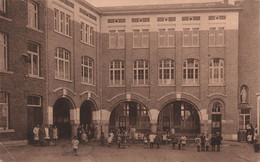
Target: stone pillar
x: 50, y: 115
x: 74, y: 127
x: 105, y: 127
x: 74, y: 121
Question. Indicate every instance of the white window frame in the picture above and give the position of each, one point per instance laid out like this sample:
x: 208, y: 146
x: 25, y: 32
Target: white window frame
x: 67, y: 25
x: 166, y: 36
x: 216, y: 70
x: 31, y: 54
x: 191, y: 36
x: 87, y: 33
x: 216, y: 36
x: 64, y: 61
x: 62, y: 22
x: 32, y: 105
x: 89, y: 67
x: 3, y: 6
x: 56, y: 20
x: 4, y: 55
x: 243, y: 115
x: 33, y: 15
x: 166, y: 80
x: 195, y: 67
x: 145, y: 73
x: 5, y: 104
x: 116, y: 38
x: 113, y: 70
x: 141, y: 35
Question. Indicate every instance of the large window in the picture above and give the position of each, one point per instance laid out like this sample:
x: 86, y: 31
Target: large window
x: 244, y: 118
x: 141, y: 72
x: 166, y: 72
x: 33, y: 59
x: 3, y: 52
x: 216, y: 71
x: 62, y: 22
x: 87, y: 70
x: 191, y: 37
x: 117, y: 72
x: 2, y: 6
x: 190, y: 72
x: 4, y: 110
x: 116, y: 38
x: 62, y: 64
x: 141, y: 38
x: 216, y: 36
x: 166, y: 38
x: 32, y: 14
x: 87, y: 33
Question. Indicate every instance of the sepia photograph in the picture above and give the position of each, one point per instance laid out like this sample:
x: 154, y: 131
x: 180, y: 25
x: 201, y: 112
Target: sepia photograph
x: 129, y: 80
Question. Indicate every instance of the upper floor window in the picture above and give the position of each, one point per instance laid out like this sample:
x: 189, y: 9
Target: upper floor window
x: 221, y: 17
x: 190, y: 18
x: 62, y: 64
x: 117, y: 72
x: 141, y: 38
x: 191, y: 37
x: 86, y: 70
x: 2, y: 6
x: 33, y: 59
x: 4, y: 109
x: 62, y: 22
x: 216, y: 36
x: 87, y: 33
x: 166, y: 72
x: 3, y: 52
x: 33, y: 14
x: 34, y: 101
x: 116, y: 38
x: 141, y: 72
x: 166, y: 37
x: 216, y: 71
x: 190, y: 72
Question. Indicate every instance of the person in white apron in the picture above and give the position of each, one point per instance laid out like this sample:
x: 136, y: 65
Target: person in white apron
x: 36, y: 133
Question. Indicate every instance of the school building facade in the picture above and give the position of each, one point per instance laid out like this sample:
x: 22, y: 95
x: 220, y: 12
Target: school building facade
x: 180, y: 66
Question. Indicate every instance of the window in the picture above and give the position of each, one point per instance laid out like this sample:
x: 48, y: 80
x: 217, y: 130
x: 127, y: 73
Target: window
x: 4, y: 111
x: 216, y: 117
x: 87, y: 70
x: 115, y: 20
x: 141, y: 110
x: 87, y: 33
x: 34, y: 101
x: 191, y: 18
x: 116, y: 38
x: 137, y: 20
x: 33, y: 59
x: 191, y: 37
x: 3, y: 52
x: 216, y: 109
x: 62, y: 64
x: 166, y: 37
x: 62, y: 22
x: 190, y: 71
x: 141, y: 38
x: 244, y: 118
x: 117, y: 72
x: 166, y: 72
x: 216, y: 36
x: 141, y: 72
x: 222, y: 17
x: 32, y: 14
x: 163, y: 19
x: 216, y: 71
x: 2, y: 6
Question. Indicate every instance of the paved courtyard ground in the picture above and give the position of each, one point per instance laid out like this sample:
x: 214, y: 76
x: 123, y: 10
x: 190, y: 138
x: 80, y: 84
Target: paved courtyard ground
x: 230, y: 152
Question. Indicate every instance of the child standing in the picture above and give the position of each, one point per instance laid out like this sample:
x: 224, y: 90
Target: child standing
x: 213, y: 142
x: 151, y: 140
x: 145, y: 141
x: 183, y: 141
x: 36, y: 133
x: 75, y: 143
x: 218, y: 140
x: 198, y: 143
x: 110, y: 138
x: 84, y: 137
x: 207, y: 142
x: 174, y: 141
x: 118, y: 140
x: 55, y: 134
x: 102, y: 138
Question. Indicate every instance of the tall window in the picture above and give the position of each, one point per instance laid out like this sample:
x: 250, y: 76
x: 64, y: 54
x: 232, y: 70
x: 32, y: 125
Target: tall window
x: 141, y: 38
x: 191, y: 37
x: 216, y: 117
x: 62, y: 22
x: 33, y: 59
x: 3, y: 52
x: 216, y: 36
x: 87, y: 70
x: 116, y: 38
x: 166, y: 37
x: 117, y: 72
x: 2, y: 6
x: 62, y: 64
x: 141, y: 72
x: 87, y: 33
x: 244, y: 118
x: 4, y: 110
x: 32, y: 14
x: 216, y: 71
x: 190, y: 71
x: 166, y: 72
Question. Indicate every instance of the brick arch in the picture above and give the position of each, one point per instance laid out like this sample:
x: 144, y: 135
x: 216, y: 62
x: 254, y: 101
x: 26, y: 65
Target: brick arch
x: 93, y: 98
x: 217, y: 100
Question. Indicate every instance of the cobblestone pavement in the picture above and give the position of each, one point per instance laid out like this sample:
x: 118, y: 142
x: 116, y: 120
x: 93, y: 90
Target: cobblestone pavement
x: 230, y: 152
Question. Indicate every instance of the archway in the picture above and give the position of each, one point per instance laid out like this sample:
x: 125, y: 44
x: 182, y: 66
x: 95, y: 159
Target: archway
x: 128, y: 115
x: 61, y: 117
x: 180, y: 115
x: 86, y: 109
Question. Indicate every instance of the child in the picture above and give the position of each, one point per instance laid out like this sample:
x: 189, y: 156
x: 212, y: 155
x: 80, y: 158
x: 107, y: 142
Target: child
x: 213, y: 142
x: 36, y: 133
x: 157, y: 140
x: 118, y: 140
x: 198, y: 142
x: 183, y: 141
x: 202, y: 138
x: 174, y: 141
x: 249, y: 137
x: 55, y: 134
x: 84, y: 137
x: 75, y: 143
x: 179, y: 142
x: 207, y: 142
x: 110, y: 138
x: 218, y: 140
x: 151, y: 140
x: 164, y: 138
x: 145, y: 141
x: 102, y: 138
x: 47, y: 135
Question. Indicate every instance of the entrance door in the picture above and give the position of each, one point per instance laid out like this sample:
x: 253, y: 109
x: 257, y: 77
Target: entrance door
x: 86, y: 113
x: 34, y: 117
x: 216, y: 123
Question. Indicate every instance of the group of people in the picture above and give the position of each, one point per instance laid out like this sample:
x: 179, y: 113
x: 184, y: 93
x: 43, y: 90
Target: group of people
x: 86, y: 133
x: 203, y: 142
x: 45, y: 135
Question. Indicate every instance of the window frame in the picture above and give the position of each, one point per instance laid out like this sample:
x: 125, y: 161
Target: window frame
x: 30, y: 56
x: 191, y: 36
x: 118, y: 38
x: 4, y: 67
x: 87, y: 32
x: 167, y: 37
x: 186, y: 70
x: 3, y: 2
x: 32, y: 105
x: 216, y: 37
x: 243, y: 115
x: 144, y: 74
x: 141, y: 35
x: 90, y: 80
x: 114, y: 70
x: 64, y: 61
x: 161, y: 72
x: 6, y: 103
x: 62, y: 22
x: 221, y: 71
x: 35, y: 15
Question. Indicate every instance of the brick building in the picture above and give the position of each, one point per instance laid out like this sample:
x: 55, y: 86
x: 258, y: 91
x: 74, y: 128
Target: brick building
x: 180, y: 66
